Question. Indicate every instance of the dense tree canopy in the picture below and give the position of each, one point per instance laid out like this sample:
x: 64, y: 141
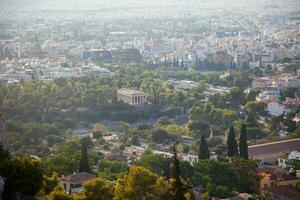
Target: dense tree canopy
x: 139, y: 184
x: 43, y: 117
x: 23, y: 176
x: 203, y: 149
x: 243, y: 146
x: 97, y: 189
x: 232, y: 148
x: 84, y: 162
x: 155, y: 162
x: 112, y: 170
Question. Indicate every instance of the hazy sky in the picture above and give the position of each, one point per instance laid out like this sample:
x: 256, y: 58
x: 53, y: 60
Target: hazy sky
x: 92, y: 4
x: 154, y: 7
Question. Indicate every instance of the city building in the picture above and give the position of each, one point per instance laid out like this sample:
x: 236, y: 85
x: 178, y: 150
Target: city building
x: 181, y: 84
x: 116, y: 154
x: 277, y: 109
x: 284, y: 192
x: 294, y: 155
x: 292, y: 103
x: 269, y: 95
x: 282, y: 161
x: 270, y: 152
x: 272, y: 177
x: 132, y: 97
x: 261, y: 83
x: 216, y: 90
x: 242, y: 59
x: 129, y: 55
x: 221, y: 57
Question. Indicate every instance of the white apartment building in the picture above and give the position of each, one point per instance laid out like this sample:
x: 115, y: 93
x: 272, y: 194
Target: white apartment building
x: 293, y: 155
x: 276, y: 109
x: 269, y: 95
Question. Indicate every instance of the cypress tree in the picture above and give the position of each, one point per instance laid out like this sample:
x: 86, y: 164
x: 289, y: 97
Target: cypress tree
x: 182, y: 65
x: 84, y: 163
x: 203, y: 149
x: 232, y: 148
x: 177, y: 186
x: 243, y: 142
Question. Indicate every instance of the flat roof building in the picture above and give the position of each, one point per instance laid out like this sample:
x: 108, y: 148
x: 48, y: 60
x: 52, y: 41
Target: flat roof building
x: 132, y: 97
x: 270, y: 152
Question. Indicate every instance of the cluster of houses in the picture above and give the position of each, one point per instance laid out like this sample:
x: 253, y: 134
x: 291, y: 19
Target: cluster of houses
x: 275, y: 178
x: 270, y: 91
x: 22, y: 70
x: 272, y: 157
x: 279, y: 183
x: 73, y: 183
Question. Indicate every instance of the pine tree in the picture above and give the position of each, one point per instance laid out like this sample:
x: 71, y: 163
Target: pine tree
x: 232, y: 148
x: 177, y: 186
x: 84, y: 163
x: 203, y: 149
x: 243, y: 142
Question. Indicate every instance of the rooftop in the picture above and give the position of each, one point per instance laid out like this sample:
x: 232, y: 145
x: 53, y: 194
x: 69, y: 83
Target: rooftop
x: 289, y: 192
x: 126, y: 91
x: 277, y: 174
x: 79, y: 177
x: 275, y: 147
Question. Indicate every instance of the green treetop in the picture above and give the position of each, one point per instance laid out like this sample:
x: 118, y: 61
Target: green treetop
x: 84, y: 163
x: 243, y: 142
x: 232, y: 148
x: 177, y: 187
x: 203, y: 149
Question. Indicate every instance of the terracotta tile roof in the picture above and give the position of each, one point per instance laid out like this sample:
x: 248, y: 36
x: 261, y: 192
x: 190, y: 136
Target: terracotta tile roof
x: 277, y: 174
x: 79, y: 177
x: 289, y: 192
